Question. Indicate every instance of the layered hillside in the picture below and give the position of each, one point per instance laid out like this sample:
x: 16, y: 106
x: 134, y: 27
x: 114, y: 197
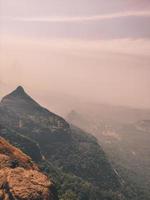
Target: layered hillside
x: 72, y: 154
x: 124, y: 133
x: 20, y: 178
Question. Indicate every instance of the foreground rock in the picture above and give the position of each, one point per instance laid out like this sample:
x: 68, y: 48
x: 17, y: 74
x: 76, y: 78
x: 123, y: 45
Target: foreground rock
x: 20, y: 178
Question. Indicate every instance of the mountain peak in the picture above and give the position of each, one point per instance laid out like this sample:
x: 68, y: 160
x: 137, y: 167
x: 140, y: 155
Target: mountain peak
x: 19, y: 100
x: 19, y: 90
x: 18, y: 93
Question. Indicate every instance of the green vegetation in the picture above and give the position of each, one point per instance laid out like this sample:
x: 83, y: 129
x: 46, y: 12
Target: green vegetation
x: 71, y: 157
x: 124, y: 134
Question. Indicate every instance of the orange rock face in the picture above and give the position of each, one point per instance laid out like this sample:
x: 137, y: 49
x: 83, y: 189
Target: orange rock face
x: 20, y: 179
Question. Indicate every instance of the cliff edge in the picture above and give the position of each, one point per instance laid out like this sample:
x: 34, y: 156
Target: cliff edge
x: 20, y: 178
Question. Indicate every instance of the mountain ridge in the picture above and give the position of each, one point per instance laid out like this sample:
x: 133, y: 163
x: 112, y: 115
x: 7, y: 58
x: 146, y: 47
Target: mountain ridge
x: 69, y: 149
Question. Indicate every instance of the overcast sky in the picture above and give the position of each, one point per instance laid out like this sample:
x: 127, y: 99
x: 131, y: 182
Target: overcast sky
x: 93, y: 50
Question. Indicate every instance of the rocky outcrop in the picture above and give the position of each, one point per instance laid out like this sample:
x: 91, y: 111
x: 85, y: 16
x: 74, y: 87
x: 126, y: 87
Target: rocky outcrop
x: 20, y: 178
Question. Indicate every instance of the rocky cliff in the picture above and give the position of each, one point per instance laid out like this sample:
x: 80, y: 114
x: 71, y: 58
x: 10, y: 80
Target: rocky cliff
x: 20, y: 178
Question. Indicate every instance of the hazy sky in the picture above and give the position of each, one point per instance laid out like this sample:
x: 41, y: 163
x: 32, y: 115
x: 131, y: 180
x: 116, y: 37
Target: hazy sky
x: 94, y: 50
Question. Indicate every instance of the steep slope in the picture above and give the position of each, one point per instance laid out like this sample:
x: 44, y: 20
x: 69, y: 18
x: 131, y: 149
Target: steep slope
x: 71, y: 150
x: 27, y: 145
x: 20, y: 178
x: 125, y: 139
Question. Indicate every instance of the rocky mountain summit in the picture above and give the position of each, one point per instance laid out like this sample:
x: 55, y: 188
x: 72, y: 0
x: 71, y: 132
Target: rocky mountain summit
x: 20, y: 178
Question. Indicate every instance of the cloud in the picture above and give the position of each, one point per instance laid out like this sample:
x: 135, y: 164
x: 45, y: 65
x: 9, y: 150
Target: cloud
x: 59, y: 19
x: 115, y: 70
x: 126, y: 46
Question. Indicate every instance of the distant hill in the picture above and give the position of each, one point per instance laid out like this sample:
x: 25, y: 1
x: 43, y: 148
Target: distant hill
x: 124, y: 134
x: 70, y: 156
